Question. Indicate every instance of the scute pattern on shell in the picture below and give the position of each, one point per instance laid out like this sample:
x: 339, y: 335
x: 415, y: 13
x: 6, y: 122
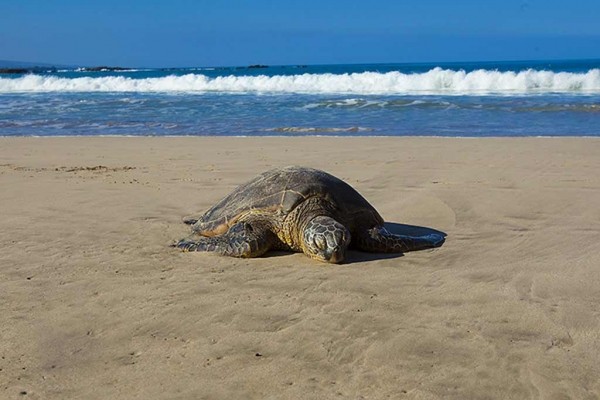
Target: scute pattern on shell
x: 278, y: 192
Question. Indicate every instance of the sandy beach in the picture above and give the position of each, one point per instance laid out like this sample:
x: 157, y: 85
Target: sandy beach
x: 94, y: 304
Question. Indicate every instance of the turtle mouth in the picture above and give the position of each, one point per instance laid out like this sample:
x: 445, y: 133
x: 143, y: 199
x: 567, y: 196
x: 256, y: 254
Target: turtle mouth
x: 334, y: 256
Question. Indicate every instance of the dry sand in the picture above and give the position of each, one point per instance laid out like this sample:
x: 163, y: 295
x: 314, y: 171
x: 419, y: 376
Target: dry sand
x: 95, y: 305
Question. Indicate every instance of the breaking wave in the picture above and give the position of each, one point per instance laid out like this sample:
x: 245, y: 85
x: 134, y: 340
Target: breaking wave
x: 437, y: 81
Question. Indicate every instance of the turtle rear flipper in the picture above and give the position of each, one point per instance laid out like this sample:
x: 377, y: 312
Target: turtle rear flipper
x: 241, y: 240
x: 380, y: 240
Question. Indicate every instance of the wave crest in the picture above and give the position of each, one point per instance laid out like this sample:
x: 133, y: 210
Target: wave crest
x: 436, y: 81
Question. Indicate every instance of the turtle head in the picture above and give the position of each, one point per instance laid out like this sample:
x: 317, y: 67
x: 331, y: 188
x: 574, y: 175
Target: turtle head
x: 325, y: 239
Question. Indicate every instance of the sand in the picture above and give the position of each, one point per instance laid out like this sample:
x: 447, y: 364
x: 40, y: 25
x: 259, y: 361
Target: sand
x: 95, y: 305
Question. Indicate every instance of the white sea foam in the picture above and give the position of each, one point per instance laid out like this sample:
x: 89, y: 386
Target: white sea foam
x: 435, y: 81
x: 312, y: 129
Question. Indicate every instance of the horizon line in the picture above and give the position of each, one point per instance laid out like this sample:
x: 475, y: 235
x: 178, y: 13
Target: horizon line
x: 30, y: 64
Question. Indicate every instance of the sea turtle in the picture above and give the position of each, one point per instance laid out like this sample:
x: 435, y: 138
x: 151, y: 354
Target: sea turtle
x: 297, y: 209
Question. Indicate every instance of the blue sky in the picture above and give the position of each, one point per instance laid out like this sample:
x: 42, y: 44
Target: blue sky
x: 241, y: 32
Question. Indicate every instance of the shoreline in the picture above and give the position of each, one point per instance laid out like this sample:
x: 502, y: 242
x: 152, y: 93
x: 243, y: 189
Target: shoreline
x: 310, y: 136
x: 95, y: 304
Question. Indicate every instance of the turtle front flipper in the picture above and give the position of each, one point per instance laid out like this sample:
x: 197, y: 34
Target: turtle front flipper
x: 241, y: 240
x: 380, y: 240
x: 190, y: 220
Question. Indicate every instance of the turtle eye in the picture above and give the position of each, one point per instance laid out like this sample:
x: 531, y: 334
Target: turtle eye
x: 320, y: 242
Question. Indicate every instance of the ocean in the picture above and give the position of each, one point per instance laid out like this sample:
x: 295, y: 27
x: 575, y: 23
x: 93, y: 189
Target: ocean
x: 535, y: 98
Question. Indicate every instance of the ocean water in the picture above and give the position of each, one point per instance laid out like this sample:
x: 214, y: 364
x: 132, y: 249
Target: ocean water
x: 541, y: 98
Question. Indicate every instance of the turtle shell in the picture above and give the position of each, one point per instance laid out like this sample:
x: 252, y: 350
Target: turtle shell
x: 279, y: 191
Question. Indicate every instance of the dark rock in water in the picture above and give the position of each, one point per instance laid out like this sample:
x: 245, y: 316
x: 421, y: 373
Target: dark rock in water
x: 22, y: 67
x: 253, y: 66
x: 103, y: 68
x: 14, y: 71
x: 28, y: 70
